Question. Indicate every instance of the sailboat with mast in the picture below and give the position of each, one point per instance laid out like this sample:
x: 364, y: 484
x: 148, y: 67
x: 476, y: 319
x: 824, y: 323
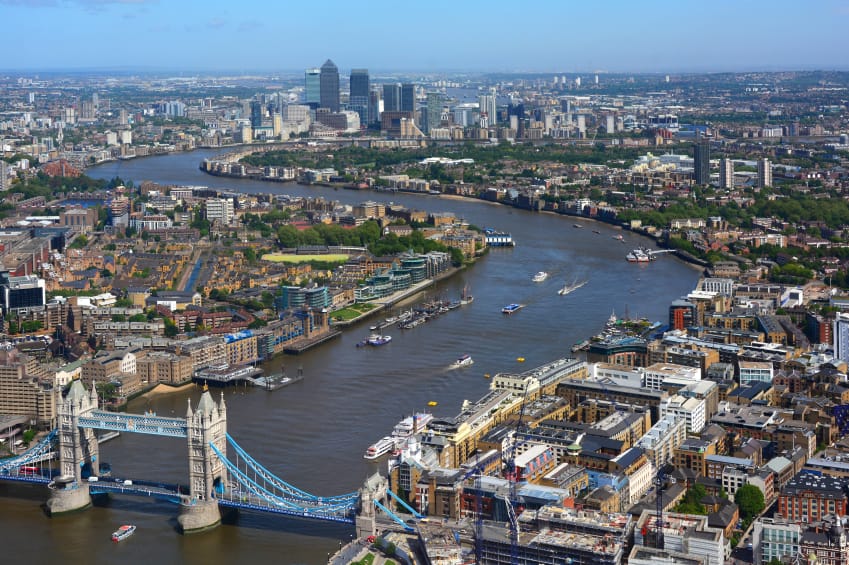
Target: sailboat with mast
x: 466, y: 297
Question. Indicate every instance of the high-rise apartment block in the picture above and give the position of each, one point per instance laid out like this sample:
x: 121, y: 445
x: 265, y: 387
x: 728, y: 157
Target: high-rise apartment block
x: 764, y: 173
x: 5, y: 177
x: 487, y: 109
x: 329, y: 86
x: 726, y: 173
x: 701, y: 163
x: 433, y: 111
x: 220, y: 209
x: 841, y: 336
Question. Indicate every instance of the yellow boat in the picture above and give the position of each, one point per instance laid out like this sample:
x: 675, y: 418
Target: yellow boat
x: 432, y: 403
x: 520, y: 359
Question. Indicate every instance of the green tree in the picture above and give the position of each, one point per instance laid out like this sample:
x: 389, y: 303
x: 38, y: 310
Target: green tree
x: 691, y: 503
x: 170, y: 328
x: 29, y: 435
x: 79, y: 242
x: 750, y: 499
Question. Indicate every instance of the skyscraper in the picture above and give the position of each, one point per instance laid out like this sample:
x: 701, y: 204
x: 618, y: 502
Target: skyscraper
x: 359, y: 83
x: 764, y: 173
x: 330, y: 86
x: 701, y: 163
x: 391, y: 97
x: 358, y: 100
x: 257, y: 112
x: 312, y: 87
x: 726, y: 173
x: 408, y: 97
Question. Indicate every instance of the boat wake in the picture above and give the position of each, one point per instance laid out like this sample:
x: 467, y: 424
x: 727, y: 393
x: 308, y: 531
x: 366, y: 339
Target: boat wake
x: 572, y: 287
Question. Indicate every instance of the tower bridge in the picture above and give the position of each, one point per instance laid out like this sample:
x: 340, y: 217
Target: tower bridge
x: 221, y: 474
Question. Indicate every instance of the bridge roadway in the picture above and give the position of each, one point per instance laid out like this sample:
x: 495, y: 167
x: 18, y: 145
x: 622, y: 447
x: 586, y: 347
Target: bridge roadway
x: 170, y: 493
x: 138, y: 423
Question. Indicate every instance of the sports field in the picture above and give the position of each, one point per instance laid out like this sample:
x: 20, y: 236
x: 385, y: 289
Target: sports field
x: 290, y: 258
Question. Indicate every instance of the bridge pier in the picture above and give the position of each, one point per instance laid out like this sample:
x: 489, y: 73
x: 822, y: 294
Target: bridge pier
x: 68, y: 496
x: 198, y: 515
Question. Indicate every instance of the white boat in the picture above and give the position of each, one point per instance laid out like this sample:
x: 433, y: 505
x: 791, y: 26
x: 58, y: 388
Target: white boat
x: 540, y: 276
x: 463, y: 361
x: 411, y: 425
x: 639, y: 255
x: 123, y: 532
x: 379, y: 448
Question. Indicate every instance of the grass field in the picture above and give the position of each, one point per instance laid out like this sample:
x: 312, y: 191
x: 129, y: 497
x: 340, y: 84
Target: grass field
x: 284, y: 258
x: 351, y: 312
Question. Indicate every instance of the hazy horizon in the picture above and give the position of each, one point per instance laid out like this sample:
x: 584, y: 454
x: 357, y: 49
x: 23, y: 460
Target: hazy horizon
x: 546, y: 36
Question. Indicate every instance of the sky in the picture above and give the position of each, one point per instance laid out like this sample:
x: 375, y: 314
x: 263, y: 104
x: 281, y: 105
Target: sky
x: 277, y: 36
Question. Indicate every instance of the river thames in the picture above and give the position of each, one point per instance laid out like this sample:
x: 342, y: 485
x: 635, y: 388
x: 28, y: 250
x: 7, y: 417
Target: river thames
x: 313, y: 433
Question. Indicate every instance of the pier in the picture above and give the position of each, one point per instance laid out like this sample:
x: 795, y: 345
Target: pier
x: 225, y: 374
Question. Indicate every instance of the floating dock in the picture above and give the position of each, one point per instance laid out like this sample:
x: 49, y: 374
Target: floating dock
x: 277, y: 380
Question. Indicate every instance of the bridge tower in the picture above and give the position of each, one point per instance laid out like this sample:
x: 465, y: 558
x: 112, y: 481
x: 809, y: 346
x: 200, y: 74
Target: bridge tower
x: 206, y: 426
x: 374, y: 489
x: 77, y: 448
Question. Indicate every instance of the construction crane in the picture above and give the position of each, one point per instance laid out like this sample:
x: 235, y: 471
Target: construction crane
x: 512, y: 476
x: 658, y: 524
x: 477, y: 472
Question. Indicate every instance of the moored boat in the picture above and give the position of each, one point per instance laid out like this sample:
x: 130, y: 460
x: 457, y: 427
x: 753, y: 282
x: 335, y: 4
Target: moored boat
x: 466, y: 297
x: 376, y: 339
x: 379, y: 448
x: 123, y: 532
x: 411, y: 425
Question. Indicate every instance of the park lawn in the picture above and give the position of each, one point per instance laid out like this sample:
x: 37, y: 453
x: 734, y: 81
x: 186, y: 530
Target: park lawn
x: 351, y: 312
x: 292, y: 258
